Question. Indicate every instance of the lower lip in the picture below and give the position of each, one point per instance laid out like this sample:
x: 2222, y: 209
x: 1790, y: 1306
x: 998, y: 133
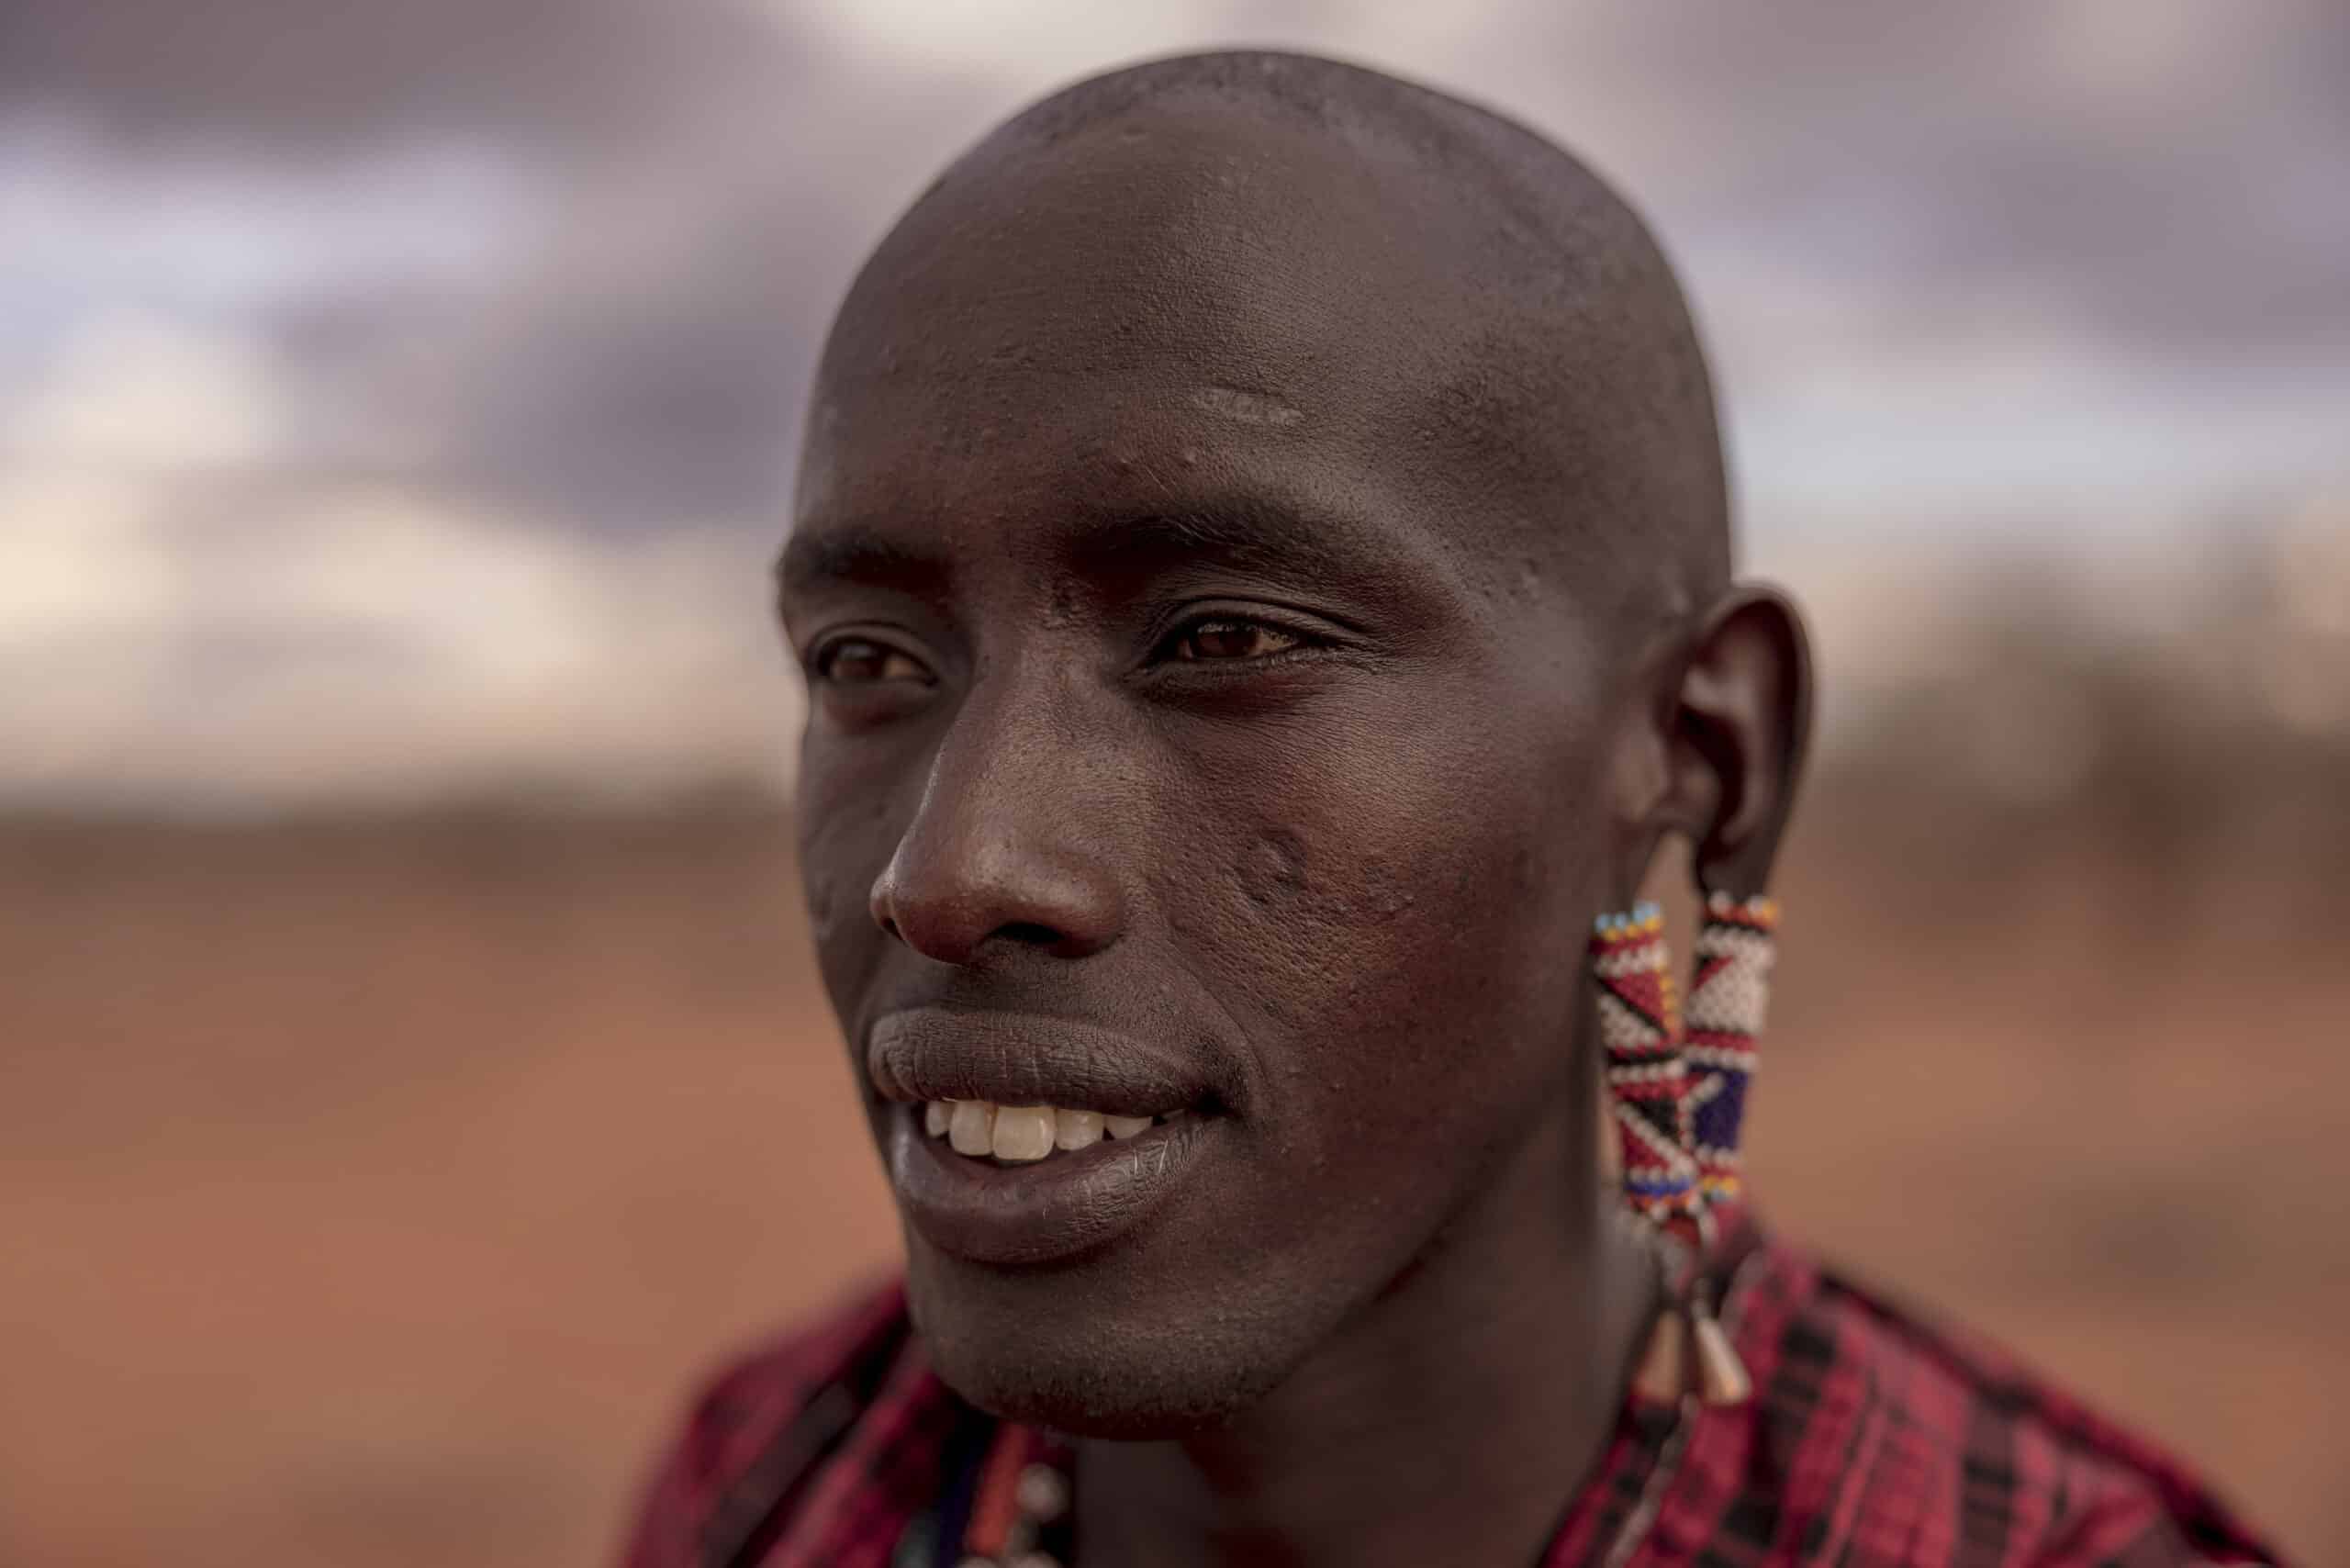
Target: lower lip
x: 1057, y: 1207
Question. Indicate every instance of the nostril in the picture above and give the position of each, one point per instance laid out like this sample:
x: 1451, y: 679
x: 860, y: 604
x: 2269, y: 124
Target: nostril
x: 1029, y: 933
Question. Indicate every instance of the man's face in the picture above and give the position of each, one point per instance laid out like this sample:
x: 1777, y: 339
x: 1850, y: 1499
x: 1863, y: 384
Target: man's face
x: 1190, y: 731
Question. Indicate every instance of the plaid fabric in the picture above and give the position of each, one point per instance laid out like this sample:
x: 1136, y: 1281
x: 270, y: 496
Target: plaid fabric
x: 1871, y: 1442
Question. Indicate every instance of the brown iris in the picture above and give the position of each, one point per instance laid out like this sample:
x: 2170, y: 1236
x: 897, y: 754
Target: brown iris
x: 1233, y: 640
x: 861, y: 661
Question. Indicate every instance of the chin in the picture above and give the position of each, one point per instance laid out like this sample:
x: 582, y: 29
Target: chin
x: 1067, y: 1349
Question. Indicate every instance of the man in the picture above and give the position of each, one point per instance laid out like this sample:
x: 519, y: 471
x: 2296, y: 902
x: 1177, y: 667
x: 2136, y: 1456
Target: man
x: 1261, y: 568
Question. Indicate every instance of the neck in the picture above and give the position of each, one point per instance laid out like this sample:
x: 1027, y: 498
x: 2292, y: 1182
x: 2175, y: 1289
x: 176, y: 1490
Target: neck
x: 1451, y: 1421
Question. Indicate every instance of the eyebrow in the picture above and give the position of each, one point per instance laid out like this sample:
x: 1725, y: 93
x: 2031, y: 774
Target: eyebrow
x: 855, y: 552
x: 1243, y: 530
x: 1246, y: 530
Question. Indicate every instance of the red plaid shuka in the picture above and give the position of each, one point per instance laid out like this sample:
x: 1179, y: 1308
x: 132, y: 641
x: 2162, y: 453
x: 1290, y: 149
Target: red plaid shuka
x: 1871, y: 1442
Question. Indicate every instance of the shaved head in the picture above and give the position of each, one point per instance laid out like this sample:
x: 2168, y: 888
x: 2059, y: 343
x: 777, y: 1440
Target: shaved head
x: 1503, y: 316
x: 1261, y: 570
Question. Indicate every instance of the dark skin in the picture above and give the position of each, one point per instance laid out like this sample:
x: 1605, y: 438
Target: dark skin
x: 1262, y: 581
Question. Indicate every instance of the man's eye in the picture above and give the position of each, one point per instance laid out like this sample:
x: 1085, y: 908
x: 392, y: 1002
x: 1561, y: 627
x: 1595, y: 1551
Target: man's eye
x: 1232, y: 640
x: 861, y: 661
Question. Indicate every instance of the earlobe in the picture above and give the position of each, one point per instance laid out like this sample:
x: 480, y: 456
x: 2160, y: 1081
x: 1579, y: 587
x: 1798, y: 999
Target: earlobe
x: 1741, y: 733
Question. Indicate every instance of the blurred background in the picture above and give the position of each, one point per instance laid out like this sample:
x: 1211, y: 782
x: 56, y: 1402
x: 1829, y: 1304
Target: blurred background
x: 411, y: 1073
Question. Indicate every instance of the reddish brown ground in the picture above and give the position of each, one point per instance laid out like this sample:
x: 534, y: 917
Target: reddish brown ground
x: 370, y: 1194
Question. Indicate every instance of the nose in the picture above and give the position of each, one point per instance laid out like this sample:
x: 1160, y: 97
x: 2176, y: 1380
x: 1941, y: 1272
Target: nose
x: 1006, y: 851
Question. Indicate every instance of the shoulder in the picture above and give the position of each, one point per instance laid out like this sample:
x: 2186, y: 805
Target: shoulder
x: 1894, y: 1442
x: 766, y: 1420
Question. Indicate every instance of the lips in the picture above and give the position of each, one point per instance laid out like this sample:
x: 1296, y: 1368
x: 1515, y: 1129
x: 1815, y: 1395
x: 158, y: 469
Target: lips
x: 1017, y: 1058
x: 986, y: 1210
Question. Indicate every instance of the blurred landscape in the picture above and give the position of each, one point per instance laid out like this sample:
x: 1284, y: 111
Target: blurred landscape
x: 413, y: 1075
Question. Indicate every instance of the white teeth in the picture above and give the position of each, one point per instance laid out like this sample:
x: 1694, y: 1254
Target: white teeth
x: 971, y: 1129
x: 1075, y: 1129
x: 1023, y: 1132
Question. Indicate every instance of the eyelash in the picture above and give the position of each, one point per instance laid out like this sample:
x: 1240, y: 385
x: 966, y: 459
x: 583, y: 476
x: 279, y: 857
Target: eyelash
x: 822, y: 655
x: 1303, y: 644
x: 1301, y: 641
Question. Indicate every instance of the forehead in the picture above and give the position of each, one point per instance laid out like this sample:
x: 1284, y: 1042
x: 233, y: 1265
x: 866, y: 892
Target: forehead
x: 1188, y: 297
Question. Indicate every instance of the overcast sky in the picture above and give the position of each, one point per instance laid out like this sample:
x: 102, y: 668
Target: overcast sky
x: 399, y: 398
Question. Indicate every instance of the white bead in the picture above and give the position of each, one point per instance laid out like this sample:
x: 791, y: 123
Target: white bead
x: 1042, y: 1494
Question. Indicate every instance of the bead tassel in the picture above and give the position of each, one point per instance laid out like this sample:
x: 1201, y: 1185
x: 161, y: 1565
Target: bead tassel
x: 1721, y: 1376
x: 1664, y: 1372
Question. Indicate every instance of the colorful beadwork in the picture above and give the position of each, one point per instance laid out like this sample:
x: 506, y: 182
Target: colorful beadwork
x: 1677, y: 1092
x: 1677, y: 1079
x: 1728, y: 995
x: 1019, y: 1496
x: 1639, y: 1027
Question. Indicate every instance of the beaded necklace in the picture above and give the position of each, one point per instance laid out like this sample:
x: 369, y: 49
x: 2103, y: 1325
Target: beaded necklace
x: 1015, y: 1514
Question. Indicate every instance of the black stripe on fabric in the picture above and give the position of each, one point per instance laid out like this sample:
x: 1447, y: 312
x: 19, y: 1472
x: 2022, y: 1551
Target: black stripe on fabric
x: 749, y: 1515
x: 1987, y: 1483
x: 911, y: 1463
x: 2007, y: 1396
x: 1815, y: 1535
x: 1870, y: 1399
x: 1742, y: 1535
x: 1790, y: 1400
x: 959, y: 1461
x: 1651, y: 1429
x: 1804, y: 1344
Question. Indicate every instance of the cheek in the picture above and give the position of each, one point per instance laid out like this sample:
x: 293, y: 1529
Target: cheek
x: 1396, y: 906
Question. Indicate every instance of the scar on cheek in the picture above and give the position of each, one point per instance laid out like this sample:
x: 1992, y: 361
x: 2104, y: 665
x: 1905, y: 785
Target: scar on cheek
x: 1273, y: 866
x: 1248, y: 407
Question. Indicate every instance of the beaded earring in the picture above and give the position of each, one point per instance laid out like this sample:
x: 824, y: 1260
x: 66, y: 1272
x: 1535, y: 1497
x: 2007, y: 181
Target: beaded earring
x: 1728, y: 995
x: 1677, y: 1098
x: 1639, y: 1027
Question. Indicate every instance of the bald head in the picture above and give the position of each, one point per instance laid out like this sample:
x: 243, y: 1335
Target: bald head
x: 1378, y: 272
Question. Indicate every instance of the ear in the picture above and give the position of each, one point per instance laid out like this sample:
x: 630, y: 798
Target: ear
x: 1740, y: 728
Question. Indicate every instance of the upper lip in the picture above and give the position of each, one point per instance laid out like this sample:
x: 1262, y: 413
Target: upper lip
x: 1022, y: 1058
